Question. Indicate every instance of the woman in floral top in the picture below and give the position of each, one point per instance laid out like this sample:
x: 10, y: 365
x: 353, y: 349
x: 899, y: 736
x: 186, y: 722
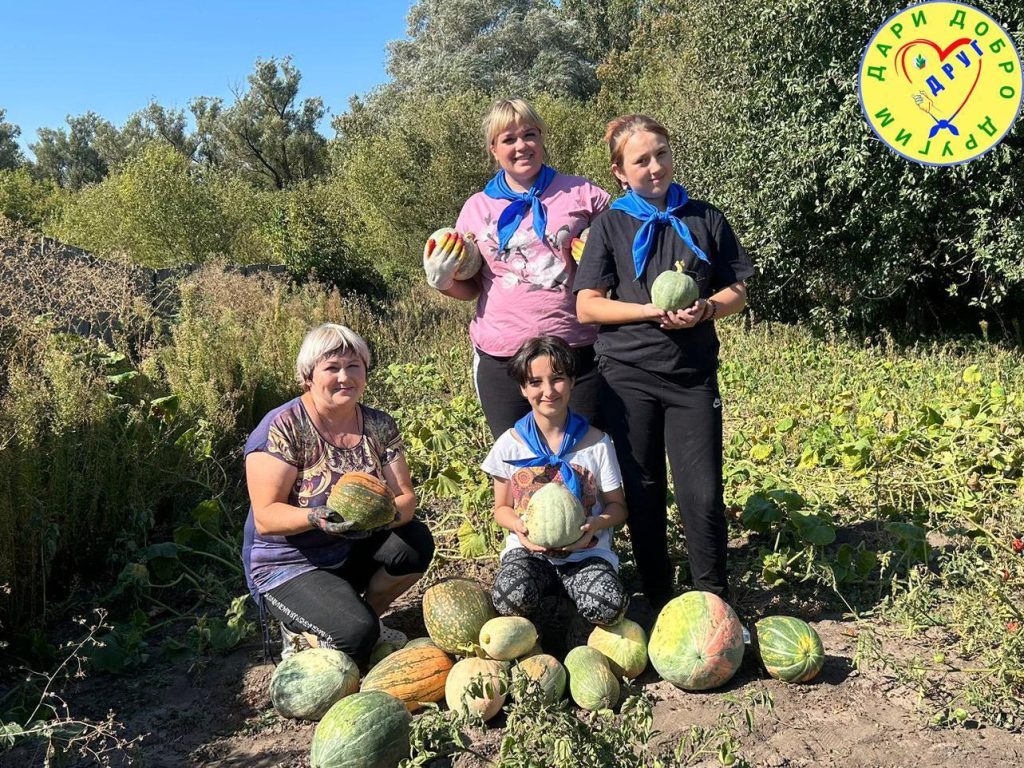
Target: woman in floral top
x: 304, y: 566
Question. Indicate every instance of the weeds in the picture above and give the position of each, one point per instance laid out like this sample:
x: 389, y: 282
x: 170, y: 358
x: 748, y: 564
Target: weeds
x: 50, y: 724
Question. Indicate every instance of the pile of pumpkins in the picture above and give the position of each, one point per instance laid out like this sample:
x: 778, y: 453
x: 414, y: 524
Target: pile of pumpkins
x: 696, y: 644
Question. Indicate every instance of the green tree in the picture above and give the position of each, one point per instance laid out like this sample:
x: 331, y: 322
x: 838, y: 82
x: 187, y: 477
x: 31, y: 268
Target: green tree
x: 10, y: 153
x: 604, y: 25
x: 267, y: 136
x: 507, y: 47
x: 70, y: 157
x: 155, y: 123
x: 769, y: 128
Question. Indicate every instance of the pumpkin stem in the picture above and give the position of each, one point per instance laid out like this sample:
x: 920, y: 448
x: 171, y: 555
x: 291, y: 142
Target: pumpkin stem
x: 679, y: 266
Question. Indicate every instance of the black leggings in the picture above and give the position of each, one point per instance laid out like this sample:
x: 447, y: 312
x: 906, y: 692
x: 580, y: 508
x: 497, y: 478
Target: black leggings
x: 329, y: 604
x: 525, y: 578
x: 646, y: 413
x: 504, y: 404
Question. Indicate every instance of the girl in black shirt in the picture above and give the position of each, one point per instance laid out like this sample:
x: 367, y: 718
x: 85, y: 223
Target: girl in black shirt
x: 661, y: 367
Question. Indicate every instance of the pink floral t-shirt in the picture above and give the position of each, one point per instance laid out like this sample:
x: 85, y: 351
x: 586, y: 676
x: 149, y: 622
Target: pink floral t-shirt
x: 527, y: 288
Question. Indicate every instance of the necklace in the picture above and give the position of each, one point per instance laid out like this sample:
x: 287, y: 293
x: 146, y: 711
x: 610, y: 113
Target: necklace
x: 337, y: 437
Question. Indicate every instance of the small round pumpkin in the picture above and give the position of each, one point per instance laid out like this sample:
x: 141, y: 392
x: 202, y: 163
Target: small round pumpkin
x: 547, y: 672
x: 363, y: 499
x: 507, y: 637
x: 591, y: 682
x: 307, y: 684
x: 463, y: 675
x: 624, y: 643
x: 790, y: 649
x: 553, y: 517
x: 454, y: 611
x: 674, y: 290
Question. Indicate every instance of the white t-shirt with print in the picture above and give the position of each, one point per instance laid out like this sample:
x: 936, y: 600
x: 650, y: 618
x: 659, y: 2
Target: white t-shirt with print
x: 597, y: 468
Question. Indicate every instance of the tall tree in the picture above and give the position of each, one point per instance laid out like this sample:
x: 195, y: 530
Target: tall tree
x: 604, y: 25
x: 268, y: 135
x: 513, y: 47
x: 155, y: 123
x: 10, y: 154
x: 70, y: 157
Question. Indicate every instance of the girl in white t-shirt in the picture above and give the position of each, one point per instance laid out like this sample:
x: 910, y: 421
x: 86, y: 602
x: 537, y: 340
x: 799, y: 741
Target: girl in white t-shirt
x: 554, y: 444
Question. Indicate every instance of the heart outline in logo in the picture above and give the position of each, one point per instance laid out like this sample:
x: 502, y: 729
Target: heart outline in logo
x: 943, y: 54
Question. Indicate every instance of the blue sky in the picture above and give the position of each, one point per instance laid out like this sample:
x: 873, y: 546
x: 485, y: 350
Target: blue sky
x: 113, y: 58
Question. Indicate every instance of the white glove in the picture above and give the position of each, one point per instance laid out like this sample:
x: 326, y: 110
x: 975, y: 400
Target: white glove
x: 449, y: 256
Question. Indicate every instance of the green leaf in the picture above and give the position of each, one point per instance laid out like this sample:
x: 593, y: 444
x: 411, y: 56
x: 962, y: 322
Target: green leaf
x: 119, y: 378
x: 972, y: 374
x: 760, y: 512
x: 207, y: 514
x: 472, y: 543
x: 761, y: 451
x: 814, y: 529
x: 785, y: 425
x: 9, y: 733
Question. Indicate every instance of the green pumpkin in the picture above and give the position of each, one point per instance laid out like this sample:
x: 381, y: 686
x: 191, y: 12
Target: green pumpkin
x: 547, y: 672
x: 362, y: 499
x: 365, y: 730
x: 591, y: 682
x: 507, y: 637
x: 674, y: 290
x: 625, y: 646
x: 790, y: 649
x: 553, y: 517
x: 697, y: 642
x: 307, y: 684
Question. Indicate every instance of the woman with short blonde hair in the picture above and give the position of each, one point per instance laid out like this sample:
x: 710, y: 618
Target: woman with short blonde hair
x: 523, y: 222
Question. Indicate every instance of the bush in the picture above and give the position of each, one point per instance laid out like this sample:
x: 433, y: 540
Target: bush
x: 25, y: 200
x: 161, y: 211
x: 770, y: 129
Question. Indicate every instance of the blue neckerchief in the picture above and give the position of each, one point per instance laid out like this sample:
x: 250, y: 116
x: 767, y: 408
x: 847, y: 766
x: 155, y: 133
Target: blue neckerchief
x: 651, y: 217
x: 512, y: 216
x: 575, y: 428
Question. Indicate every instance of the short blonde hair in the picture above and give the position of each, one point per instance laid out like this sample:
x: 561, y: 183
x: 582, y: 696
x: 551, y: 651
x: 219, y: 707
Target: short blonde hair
x: 327, y: 340
x: 506, y: 112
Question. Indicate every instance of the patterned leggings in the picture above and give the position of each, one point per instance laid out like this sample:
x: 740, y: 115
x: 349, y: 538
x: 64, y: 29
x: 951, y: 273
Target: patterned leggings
x: 524, y: 578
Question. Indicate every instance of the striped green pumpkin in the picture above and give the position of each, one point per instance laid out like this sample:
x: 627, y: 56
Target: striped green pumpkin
x: 365, y: 730
x: 591, y: 682
x: 790, y: 649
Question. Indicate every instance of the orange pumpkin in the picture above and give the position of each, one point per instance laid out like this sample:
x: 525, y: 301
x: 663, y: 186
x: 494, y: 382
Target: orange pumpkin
x: 413, y: 675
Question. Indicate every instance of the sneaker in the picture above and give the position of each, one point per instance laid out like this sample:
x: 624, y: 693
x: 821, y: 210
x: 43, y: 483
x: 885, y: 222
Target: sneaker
x: 391, y: 635
x: 292, y: 642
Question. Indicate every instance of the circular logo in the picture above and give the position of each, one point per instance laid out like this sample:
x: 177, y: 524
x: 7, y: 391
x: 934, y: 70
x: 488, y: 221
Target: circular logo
x: 941, y: 83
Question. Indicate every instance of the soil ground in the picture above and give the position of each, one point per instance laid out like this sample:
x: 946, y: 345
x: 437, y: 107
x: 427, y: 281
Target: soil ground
x: 217, y: 713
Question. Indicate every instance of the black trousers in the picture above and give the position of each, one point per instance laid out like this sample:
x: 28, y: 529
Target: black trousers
x: 647, y: 415
x: 329, y: 604
x: 504, y: 404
